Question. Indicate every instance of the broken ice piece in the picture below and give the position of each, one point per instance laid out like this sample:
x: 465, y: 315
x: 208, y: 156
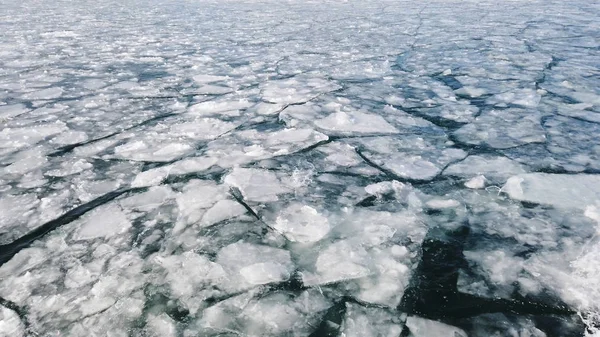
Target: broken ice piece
x: 301, y: 223
x: 476, y: 182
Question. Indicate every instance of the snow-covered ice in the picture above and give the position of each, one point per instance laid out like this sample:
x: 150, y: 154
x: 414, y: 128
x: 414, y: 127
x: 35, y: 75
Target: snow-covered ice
x: 321, y: 168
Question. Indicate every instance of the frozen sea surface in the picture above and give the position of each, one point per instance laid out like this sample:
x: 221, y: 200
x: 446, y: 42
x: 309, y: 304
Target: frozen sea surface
x: 300, y: 168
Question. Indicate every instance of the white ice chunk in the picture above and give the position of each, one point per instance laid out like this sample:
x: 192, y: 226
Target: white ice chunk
x: 386, y: 285
x: 370, y: 322
x: 15, y: 211
x: 70, y: 167
x: 13, y: 110
x: 26, y: 161
x: 105, y: 221
x: 492, y: 167
x: 501, y: 267
x: 222, y: 210
x: 197, y: 196
x: 421, y: 327
x: 302, y: 223
x: 151, y: 199
x: 28, y: 135
x: 151, y: 177
x: 442, y: 203
x: 568, y: 190
x: 152, y: 150
x: 279, y: 315
x: 201, y: 129
x: 44, y: 94
x: 190, y: 165
x: 340, y: 261
x: 273, y: 314
x: 504, y: 129
x: 256, y: 264
x: 70, y: 137
x: 295, y: 90
x: 265, y: 272
x: 355, y: 122
x: 216, y: 108
x: 470, y: 91
x: 160, y: 326
x: 10, y: 324
x: 411, y: 156
x: 209, y: 78
x: 340, y: 154
x: 256, y: 185
x: 189, y: 272
x: 528, y: 98
x: 476, y: 182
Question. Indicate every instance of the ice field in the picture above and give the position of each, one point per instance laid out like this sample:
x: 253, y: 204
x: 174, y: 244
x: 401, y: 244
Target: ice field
x: 359, y: 168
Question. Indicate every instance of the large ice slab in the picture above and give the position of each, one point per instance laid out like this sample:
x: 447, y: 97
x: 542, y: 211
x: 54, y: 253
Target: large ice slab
x: 558, y: 190
x: 411, y: 156
x: 503, y: 129
x: 497, y: 169
x: 257, y: 185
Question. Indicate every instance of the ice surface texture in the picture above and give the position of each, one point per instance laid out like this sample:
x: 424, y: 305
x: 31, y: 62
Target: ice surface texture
x: 299, y: 168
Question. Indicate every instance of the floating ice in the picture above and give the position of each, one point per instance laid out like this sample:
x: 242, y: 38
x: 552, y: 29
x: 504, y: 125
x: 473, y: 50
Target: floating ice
x: 421, y: 327
x: 503, y: 129
x: 370, y: 322
x: 476, y: 182
x: 248, y: 264
x: 355, y: 121
x: 13, y: 110
x: 295, y: 90
x: 575, y: 191
x: 222, y: 210
x: 104, y: 222
x: 340, y: 261
x: 160, y: 326
x: 219, y: 107
x: 209, y: 78
x: 45, y: 94
x: 494, y: 168
x: 411, y: 157
x: 256, y: 185
x: 301, y: 223
x: 10, y: 324
x: 29, y: 135
x: 528, y: 98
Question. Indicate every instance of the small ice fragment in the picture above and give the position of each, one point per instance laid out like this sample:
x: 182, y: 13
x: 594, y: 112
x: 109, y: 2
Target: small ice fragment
x: 470, y: 91
x: 209, y: 78
x: 441, y: 203
x: 265, y: 272
x: 151, y: 177
x: 476, y: 182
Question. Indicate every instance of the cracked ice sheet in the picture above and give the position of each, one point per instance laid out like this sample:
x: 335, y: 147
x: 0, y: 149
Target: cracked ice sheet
x: 246, y: 146
x: 100, y: 286
x: 76, y: 78
x: 503, y: 129
x: 411, y: 156
x: 553, y: 244
x: 372, y: 262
